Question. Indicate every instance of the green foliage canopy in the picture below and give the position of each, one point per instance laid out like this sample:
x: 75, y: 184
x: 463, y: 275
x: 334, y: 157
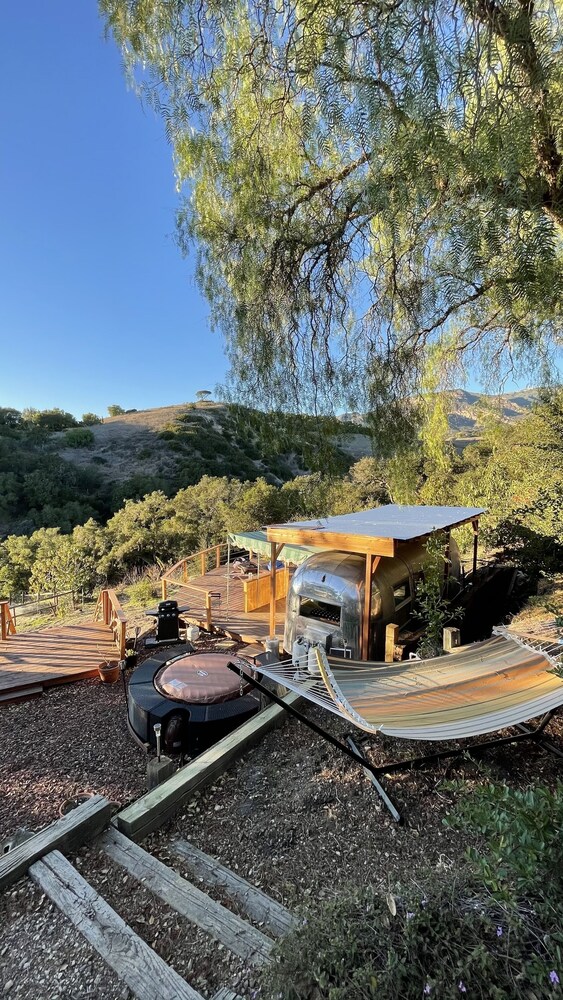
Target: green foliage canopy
x: 372, y: 188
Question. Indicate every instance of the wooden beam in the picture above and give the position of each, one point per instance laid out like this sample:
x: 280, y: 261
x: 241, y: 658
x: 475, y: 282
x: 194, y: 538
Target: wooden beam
x: 151, y: 810
x: 391, y: 639
x: 145, y: 973
x: 262, y: 908
x: 71, y: 831
x: 366, y: 612
x: 227, y: 928
x: 273, y: 560
x: 475, y: 525
x: 332, y: 540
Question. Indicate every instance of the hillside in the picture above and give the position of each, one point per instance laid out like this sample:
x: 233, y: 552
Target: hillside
x: 173, y: 446
x: 59, y: 478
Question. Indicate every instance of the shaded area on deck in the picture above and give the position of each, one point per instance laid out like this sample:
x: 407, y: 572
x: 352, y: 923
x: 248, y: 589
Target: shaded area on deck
x: 30, y: 661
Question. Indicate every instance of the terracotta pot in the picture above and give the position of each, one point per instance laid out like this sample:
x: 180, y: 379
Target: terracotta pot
x: 109, y: 672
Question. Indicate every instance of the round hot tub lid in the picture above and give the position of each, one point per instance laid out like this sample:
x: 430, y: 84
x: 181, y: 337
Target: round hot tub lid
x: 201, y: 678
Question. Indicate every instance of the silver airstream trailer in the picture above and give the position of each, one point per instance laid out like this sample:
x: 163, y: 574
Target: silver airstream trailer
x: 325, y: 599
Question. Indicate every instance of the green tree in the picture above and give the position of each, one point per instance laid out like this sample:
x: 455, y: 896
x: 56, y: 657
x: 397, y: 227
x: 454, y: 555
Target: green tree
x: 141, y: 533
x: 90, y: 419
x: 371, y: 187
x: 115, y: 410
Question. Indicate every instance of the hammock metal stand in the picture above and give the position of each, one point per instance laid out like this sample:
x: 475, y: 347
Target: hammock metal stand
x: 413, y: 763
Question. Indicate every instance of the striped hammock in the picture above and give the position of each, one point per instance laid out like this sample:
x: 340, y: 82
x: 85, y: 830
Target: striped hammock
x: 476, y: 689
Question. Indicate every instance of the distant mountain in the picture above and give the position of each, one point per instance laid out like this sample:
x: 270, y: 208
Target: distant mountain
x: 467, y: 410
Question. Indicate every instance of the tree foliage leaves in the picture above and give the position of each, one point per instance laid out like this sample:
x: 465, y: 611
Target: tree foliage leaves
x: 362, y: 181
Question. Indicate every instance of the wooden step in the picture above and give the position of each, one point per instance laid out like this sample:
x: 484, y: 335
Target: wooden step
x: 21, y: 694
x: 254, y: 902
x: 144, y: 972
x: 226, y: 927
x: 71, y: 831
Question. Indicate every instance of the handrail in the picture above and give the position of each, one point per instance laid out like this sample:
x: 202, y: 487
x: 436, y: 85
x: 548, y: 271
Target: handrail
x: 112, y: 614
x: 201, y: 555
x: 7, y: 624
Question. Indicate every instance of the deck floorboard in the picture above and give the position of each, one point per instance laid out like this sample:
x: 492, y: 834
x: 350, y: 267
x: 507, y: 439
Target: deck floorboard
x: 227, y: 609
x: 54, y: 656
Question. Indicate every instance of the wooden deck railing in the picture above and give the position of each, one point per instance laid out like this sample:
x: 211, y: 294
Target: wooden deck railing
x: 109, y: 610
x: 198, y: 564
x: 7, y: 624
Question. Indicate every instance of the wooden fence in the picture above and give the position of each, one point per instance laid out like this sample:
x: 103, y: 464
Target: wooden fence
x: 7, y: 624
x: 109, y: 610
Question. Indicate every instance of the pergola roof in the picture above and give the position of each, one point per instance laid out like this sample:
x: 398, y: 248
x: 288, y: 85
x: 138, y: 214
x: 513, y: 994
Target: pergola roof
x: 376, y: 531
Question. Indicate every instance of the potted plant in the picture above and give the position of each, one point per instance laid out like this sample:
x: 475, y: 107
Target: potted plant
x: 131, y: 650
x: 109, y: 671
x: 130, y: 657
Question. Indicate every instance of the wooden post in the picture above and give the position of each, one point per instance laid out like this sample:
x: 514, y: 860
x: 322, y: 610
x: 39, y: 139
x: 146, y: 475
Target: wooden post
x: 105, y: 607
x: 451, y: 639
x: 391, y: 639
x: 475, y: 543
x: 185, y: 571
x: 273, y: 556
x: 164, y: 589
x: 372, y: 563
x: 217, y: 556
x: 366, y: 615
x: 3, y: 620
x: 208, y: 611
x: 447, y: 558
x: 202, y: 563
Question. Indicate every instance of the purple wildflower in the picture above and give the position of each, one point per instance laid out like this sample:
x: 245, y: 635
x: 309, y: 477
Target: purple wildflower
x: 409, y: 916
x: 554, y: 978
x: 462, y: 987
x: 427, y: 989
x: 499, y: 931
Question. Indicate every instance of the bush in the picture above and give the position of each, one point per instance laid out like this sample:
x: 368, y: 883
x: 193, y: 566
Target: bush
x: 493, y: 932
x: 451, y: 941
x: 79, y: 437
x: 90, y: 419
x: 142, y: 593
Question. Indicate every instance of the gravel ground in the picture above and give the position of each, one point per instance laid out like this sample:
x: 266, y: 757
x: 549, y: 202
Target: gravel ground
x: 293, y: 816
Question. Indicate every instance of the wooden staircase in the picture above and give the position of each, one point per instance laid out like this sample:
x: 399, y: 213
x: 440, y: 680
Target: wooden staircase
x: 144, y: 972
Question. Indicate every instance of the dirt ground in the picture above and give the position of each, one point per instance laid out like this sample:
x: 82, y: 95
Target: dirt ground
x: 293, y: 816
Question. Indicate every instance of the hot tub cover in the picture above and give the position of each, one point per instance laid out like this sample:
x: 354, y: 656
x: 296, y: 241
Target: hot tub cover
x: 201, y: 678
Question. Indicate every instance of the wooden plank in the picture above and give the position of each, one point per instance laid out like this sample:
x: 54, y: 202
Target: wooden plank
x: 144, y: 972
x: 333, y: 540
x: 226, y: 994
x: 256, y: 903
x: 151, y: 810
x: 226, y: 927
x: 54, y: 655
x: 79, y: 825
x: 391, y: 640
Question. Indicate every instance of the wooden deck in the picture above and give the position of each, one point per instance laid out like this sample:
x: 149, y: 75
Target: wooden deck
x: 32, y: 661
x: 227, y: 608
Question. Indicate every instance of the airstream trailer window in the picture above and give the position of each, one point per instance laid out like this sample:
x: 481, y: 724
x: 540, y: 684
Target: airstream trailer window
x: 402, y: 593
x: 321, y: 610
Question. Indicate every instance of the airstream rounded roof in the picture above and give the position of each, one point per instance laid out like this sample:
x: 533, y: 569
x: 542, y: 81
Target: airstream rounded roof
x: 344, y: 572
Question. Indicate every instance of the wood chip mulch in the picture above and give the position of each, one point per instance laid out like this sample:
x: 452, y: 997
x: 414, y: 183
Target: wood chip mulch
x: 293, y: 816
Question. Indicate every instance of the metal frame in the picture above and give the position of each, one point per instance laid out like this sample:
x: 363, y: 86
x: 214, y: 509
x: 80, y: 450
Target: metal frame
x: 374, y: 771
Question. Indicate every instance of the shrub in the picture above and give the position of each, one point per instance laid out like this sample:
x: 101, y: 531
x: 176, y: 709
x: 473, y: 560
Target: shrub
x: 142, y: 593
x: 90, y: 419
x: 79, y: 437
x: 492, y: 932
x: 451, y: 941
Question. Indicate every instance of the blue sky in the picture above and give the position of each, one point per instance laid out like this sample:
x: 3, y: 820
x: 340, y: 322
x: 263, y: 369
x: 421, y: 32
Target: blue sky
x: 97, y: 305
